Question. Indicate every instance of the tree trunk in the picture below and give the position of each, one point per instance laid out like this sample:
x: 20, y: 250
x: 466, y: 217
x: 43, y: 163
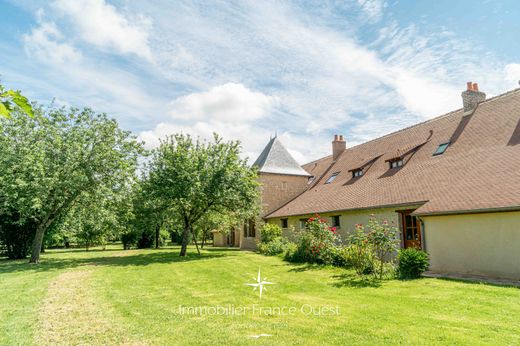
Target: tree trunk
x: 196, y: 245
x: 42, y: 250
x: 157, y: 231
x: 204, y: 236
x: 37, y: 243
x: 185, y: 237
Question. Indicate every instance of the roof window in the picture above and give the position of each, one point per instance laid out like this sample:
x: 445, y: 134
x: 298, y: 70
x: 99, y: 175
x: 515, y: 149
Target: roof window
x: 331, y: 178
x: 397, y: 163
x: 441, y: 149
x: 357, y: 173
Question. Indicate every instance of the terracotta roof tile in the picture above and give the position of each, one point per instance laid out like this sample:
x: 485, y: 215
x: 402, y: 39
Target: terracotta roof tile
x: 480, y: 170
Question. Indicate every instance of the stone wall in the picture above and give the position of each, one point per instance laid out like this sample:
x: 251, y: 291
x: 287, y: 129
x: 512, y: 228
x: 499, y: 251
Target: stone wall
x: 277, y: 189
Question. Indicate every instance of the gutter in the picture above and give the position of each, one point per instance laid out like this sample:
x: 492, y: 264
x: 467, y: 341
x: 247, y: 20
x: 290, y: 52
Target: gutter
x: 351, y: 209
x: 469, y: 211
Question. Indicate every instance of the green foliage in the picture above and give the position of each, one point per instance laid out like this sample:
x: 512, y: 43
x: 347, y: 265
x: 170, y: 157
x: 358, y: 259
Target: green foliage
x: 341, y: 257
x: 316, y: 243
x: 10, y: 99
x: 16, y: 237
x: 196, y: 178
x: 290, y: 252
x: 53, y: 161
x: 274, y: 247
x: 361, y: 258
x: 269, y: 232
x: 129, y: 239
x: 411, y: 263
x: 372, y: 247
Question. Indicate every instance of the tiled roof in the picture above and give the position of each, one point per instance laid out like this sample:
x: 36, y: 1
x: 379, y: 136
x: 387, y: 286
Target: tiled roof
x: 479, y: 171
x: 277, y: 160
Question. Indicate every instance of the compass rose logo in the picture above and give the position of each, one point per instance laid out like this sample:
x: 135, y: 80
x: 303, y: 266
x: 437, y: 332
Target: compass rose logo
x: 260, y: 283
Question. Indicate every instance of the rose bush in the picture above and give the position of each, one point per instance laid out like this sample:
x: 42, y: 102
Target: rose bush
x: 316, y: 243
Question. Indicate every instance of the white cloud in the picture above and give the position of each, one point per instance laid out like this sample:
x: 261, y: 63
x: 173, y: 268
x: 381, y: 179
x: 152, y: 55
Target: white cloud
x: 309, y: 72
x: 43, y: 42
x: 372, y: 8
x: 512, y: 72
x: 231, y: 110
x: 102, y: 25
x: 230, y: 103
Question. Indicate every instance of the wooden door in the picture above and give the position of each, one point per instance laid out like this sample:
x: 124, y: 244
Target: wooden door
x: 411, y: 227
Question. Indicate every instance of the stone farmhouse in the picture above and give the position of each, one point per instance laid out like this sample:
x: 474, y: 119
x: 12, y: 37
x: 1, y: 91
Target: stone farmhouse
x: 450, y: 184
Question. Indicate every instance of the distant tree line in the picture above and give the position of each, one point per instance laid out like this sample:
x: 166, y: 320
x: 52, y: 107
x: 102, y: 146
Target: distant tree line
x: 72, y: 177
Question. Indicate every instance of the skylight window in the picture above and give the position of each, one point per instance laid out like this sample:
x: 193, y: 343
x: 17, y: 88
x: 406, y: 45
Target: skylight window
x: 396, y: 163
x: 310, y: 180
x: 441, y: 149
x: 357, y: 173
x: 331, y: 178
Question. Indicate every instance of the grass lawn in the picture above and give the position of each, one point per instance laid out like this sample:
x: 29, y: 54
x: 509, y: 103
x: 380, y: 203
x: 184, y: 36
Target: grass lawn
x: 134, y: 297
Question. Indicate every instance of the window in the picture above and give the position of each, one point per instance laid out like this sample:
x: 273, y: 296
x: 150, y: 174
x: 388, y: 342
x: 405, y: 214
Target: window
x: 396, y: 163
x: 331, y: 178
x: 335, y: 221
x: 249, y: 228
x: 285, y: 223
x: 303, y: 222
x: 357, y: 173
x: 284, y: 185
x: 441, y: 149
x: 310, y: 180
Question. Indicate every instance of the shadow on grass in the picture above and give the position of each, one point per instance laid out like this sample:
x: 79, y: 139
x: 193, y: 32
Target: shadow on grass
x: 303, y: 267
x: 222, y: 249
x: 51, y: 264
x: 356, y: 281
x: 482, y: 281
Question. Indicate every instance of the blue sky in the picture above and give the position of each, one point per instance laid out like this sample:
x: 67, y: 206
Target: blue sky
x: 308, y: 70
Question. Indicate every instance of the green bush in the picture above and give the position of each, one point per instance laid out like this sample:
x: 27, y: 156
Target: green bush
x: 274, y: 247
x: 16, y: 237
x: 290, y: 250
x: 361, y: 258
x: 411, y: 263
x: 270, y: 232
x: 341, y: 257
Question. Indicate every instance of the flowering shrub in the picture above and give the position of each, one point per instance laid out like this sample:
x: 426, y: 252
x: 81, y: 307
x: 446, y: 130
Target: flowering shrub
x: 316, y: 243
x: 373, y: 246
x: 360, y: 252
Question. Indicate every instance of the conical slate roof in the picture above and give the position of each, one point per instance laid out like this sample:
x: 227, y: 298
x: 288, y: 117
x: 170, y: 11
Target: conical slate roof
x: 277, y: 160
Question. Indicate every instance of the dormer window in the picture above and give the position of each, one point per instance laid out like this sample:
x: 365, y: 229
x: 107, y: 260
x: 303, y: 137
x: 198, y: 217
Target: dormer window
x: 331, y: 178
x: 397, y: 163
x: 441, y: 149
x: 357, y: 173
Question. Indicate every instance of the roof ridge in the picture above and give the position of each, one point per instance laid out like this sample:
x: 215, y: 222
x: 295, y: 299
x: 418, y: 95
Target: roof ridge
x: 445, y: 115
x: 314, y: 161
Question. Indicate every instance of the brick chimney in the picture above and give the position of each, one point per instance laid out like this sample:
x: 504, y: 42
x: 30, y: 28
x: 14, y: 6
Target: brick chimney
x: 472, y: 97
x: 338, y: 146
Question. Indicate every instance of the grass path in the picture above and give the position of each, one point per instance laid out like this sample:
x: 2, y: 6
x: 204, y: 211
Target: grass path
x: 133, y: 298
x: 70, y: 314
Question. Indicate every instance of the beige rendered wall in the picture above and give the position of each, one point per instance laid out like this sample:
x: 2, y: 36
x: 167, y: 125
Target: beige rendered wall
x: 219, y: 239
x: 348, y: 219
x: 479, y: 244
